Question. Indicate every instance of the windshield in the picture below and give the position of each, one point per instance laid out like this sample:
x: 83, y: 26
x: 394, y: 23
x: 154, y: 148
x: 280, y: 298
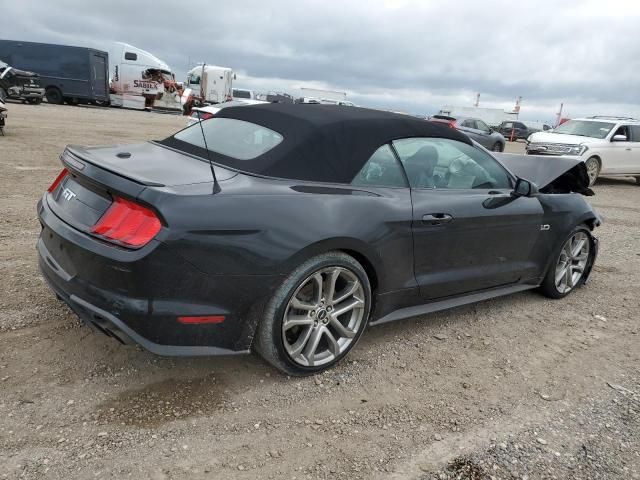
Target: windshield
x: 585, y: 128
x: 234, y: 138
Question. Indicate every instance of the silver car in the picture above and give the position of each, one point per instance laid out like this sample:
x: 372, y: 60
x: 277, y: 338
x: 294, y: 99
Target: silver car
x: 476, y: 129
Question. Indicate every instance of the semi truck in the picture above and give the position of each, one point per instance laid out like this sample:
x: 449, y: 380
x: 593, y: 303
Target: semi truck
x: 140, y: 80
x: 67, y: 73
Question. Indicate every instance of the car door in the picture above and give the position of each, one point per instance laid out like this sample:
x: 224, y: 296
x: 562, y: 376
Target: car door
x: 634, y: 159
x: 469, y: 232
x: 484, y: 133
x: 618, y: 154
x: 468, y: 127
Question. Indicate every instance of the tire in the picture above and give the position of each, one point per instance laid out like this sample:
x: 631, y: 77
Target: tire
x: 54, y: 96
x: 302, y: 301
x: 575, y: 264
x: 637, y: 180
x: 3, y: 95
x: 497, y: 147
x: 593, y: 169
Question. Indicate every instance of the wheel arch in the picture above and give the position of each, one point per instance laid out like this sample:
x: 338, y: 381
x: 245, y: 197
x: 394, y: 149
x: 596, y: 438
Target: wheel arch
x: 361, y: 251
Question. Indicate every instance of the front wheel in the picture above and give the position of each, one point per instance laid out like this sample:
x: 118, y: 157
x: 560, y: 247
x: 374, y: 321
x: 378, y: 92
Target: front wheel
x: 593, y: 169
x: 316, y: 316
x: 571, y: 264
x: 54, y: 96
x: 3, y: 95
x: 497, y: 147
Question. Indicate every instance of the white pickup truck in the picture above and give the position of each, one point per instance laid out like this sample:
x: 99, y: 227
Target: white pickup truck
x: 609, y: 146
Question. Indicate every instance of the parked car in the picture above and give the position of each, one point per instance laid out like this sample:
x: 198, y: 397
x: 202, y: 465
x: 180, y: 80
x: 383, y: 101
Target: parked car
x: 3, y: 116
x: 534, y: 127
x: 299, y: 226
x: 608, y: 145
x: 476, y: 129
x: 204, y: 113
x: 19, y: 84
x: 278, y: 97
x: 237, y: 93
x: 514, y: 130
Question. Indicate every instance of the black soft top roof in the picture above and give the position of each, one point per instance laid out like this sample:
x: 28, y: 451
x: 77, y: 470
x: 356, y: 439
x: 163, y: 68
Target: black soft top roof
x: 322, y: 143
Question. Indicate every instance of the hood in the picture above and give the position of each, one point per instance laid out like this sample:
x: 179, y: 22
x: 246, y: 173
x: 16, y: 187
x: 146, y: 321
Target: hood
x: 551, y: 174
x: 150, y: 164
x: 24, y: 73
x: 547, y: 137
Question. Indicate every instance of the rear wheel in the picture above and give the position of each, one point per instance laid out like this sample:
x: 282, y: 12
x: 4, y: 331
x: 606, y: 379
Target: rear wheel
x: 3, y: 95
x: 637, y: 180
x: 497, y: 147
x: 593, y: 169
x: 571, y: 263
x: 316, y: 316
x: 54, y: 96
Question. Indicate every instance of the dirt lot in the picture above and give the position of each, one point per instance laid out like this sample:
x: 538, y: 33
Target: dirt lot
x: 518, y: 387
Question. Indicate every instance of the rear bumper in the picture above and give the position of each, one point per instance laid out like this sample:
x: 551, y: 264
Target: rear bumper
x: 137, y: 296
x: 107, y: 323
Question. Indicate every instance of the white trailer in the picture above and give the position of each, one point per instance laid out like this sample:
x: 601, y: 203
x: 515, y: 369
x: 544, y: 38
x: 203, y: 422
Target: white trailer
x: 209, y: 84
x: 491, y: 116
x: 141, y: 81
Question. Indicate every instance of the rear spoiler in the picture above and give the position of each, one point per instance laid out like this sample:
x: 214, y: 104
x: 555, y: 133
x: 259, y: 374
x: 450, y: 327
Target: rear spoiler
x: 551, y: 174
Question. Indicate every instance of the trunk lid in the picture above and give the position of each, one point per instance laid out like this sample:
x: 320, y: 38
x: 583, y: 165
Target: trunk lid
x: 97, y: 175
x: 150, y: 164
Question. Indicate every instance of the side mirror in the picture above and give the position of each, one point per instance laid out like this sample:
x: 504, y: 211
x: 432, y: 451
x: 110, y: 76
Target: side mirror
x: 619, y: 138
x: 524, y: 188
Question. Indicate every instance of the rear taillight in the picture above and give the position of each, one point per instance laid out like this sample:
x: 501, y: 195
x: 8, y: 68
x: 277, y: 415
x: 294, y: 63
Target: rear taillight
x: 127, y: 223
x: 57, y: 181
x: 453, y: 124
x: 206, y: 116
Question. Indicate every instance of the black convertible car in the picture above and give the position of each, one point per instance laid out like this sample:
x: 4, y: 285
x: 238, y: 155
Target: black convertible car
x: 288, y: 229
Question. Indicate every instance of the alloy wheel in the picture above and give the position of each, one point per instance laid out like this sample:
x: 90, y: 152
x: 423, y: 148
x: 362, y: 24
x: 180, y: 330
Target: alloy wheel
x: 593, y: 168
x: 572, y: 262
x: 323, y: 316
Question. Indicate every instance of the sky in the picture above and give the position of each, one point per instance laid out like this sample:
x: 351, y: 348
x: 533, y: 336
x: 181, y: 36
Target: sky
x: 411, y: 56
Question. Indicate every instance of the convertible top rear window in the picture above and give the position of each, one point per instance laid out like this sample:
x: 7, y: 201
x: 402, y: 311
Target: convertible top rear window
x: 233, y: 138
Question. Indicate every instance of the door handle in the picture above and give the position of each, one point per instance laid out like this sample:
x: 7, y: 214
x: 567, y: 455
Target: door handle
x: 628, y: 149
x: 436, y: 218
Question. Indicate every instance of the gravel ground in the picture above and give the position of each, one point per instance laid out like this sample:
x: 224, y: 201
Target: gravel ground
x: 518, y: 387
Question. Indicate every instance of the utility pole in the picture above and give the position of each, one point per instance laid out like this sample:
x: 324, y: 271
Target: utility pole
x: 559, y: 115
x: 477, y: 100
x: 516, y: 109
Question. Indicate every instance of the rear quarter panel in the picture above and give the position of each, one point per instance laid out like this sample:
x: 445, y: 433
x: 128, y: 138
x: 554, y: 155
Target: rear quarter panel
x: 263, y: 227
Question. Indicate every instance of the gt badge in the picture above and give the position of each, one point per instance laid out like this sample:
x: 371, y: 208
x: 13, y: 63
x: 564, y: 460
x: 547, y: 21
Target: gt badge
x: 68, y: 194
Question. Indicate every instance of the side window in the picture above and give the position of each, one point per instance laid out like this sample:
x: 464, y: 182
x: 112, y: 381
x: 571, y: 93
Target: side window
x: 635, y: 133
x: 443, y: 163
x: 130, y: 56
x: 469, y: 124
x: 482, y: 126
x: 623, y: 130
x: 381, y: 170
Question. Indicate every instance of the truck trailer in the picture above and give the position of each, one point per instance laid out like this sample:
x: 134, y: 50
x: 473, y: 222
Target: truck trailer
x: 67, y: 73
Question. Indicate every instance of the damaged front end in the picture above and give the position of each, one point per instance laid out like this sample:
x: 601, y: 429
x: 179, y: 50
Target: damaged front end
x: 550, y: 174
